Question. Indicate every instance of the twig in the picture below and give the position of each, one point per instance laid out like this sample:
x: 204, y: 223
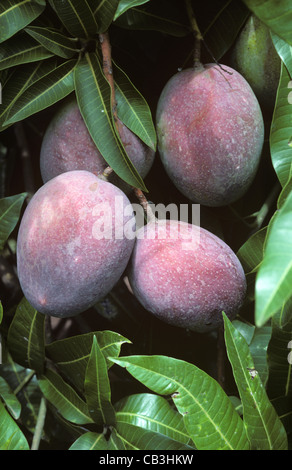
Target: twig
x: 196, y: 32
x: 39, y: 424
x: 145, y: 204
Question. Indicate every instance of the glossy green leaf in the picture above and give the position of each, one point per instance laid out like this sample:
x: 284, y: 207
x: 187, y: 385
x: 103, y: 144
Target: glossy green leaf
x: 19, y: 81
x: 92, y: 441
x: 209, y: 416
x: 64, y: 398
x: 251, y: 252
x: 277, y: 15
x: 284, y: 50
x: 26, y: 337
x: 94, y: 100
x: 125, y: 5
x: 11, y: 437
x: 263, y: 426
x: 10, y: 208
x: 104, y: 12
x: 274, y: 278
x: 97, y: 387
x: 21, y: 49
x: 133, y: 109
x: 9, y: 398
x: 54, y: 41
x: 71, y: 355
x: 154, y: 413
x: 281, y: 130
x: 280, y: 363
x: 76, y: 16
x: 136, y: 438
x: 45, y: 92
x: 16, y: 14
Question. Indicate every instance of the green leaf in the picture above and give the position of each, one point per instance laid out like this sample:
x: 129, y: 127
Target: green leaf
x: 26, y: 340
x: 104, y: 12
x: 209, y: 416
x: 133, y: 109
x: 284, y: 50
x: 64, y: 398
x: 71, y: 355
x: 22, y: 77
x: 94, y: 100
x: 21, y: 49
x: 10, y: 208
x: 92, y: 441
x: 76, y: 16
x: 45, y: 92
x: 11, y: 437
x: 16, y: 14
x: 251, y: 253
x: 276, y: 15
x: 125, y: 5
x: 281, y: 130
x: 274, y: 278
x: 11, y: 401
x: 97, y: 387
x: 280, y: 367
x: 154, y: 413
x: 54, y: 41
x: 263, y: 426
x: 136, y: 438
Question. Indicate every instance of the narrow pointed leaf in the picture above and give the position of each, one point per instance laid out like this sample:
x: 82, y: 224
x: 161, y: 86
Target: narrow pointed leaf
x: 125, y: 5
x: 281, y: 129
x: 11, y: 437
x: 76, y: 16
x: 71, y: 355
x: 284, y: 50
x: 21, y: 49
x: 26, y: 341
x: 94, y: 100
x: 276, y: 15
x: 16, y: 14
x: 263, y: 426
x: 54, y: 41
x: 133, y: 109
x: 97, y: 387
x: 92, y: 441
x: 209, y: 416
x: 274, y: 278
x: 104, y: 12
x: 10, y: 208
x: 251, y: 252
x: 45, y: 92
x: 10, y: 399
x: 154, y: 413
x: 64, y: 398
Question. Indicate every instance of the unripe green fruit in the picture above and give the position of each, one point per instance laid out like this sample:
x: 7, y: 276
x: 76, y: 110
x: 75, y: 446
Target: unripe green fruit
x: 185, y: 275
x: 255, y: 57
x: 210, y: 134
x: 65, y: 263
x: 67, y: 146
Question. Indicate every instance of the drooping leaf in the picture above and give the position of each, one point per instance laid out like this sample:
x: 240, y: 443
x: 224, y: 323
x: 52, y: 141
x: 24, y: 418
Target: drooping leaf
x: 21, y: 49
x: 281, y: 130
x: 9, y: 398
x: 47, y: 91
x: 26, y: 337
x: 154, y: 413
x: 16, y: 14
x: 71, y: 354
x: 11, y: 437
x: 133, y: 109
x: 55, y: 42
x: 10, y: 208
x: 209, y: 416
x: 97, y: 387
x: 64, y: 398
x: 125, y: 5
x: 76, y: 16
x: 104, y: 12
x: 284, y: 50
x: 263, y: 426
x: 94, y: 100
x: 274, y: 278
x: 92, y: 441
x: 276, y: 15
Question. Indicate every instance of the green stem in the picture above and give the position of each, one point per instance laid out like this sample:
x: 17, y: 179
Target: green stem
x: 26, y: 379
x: 196, y: 32
x: 39, y: 425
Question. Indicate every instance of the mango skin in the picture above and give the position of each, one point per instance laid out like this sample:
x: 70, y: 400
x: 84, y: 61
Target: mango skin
x: 255, y: 58
x: 64, y: 265
x: 186, y: 280
x: 210, y: 133
x: 68, y: 146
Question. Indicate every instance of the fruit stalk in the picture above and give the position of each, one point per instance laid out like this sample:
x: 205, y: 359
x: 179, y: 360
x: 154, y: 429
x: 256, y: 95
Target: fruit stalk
x: 196, y: 32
